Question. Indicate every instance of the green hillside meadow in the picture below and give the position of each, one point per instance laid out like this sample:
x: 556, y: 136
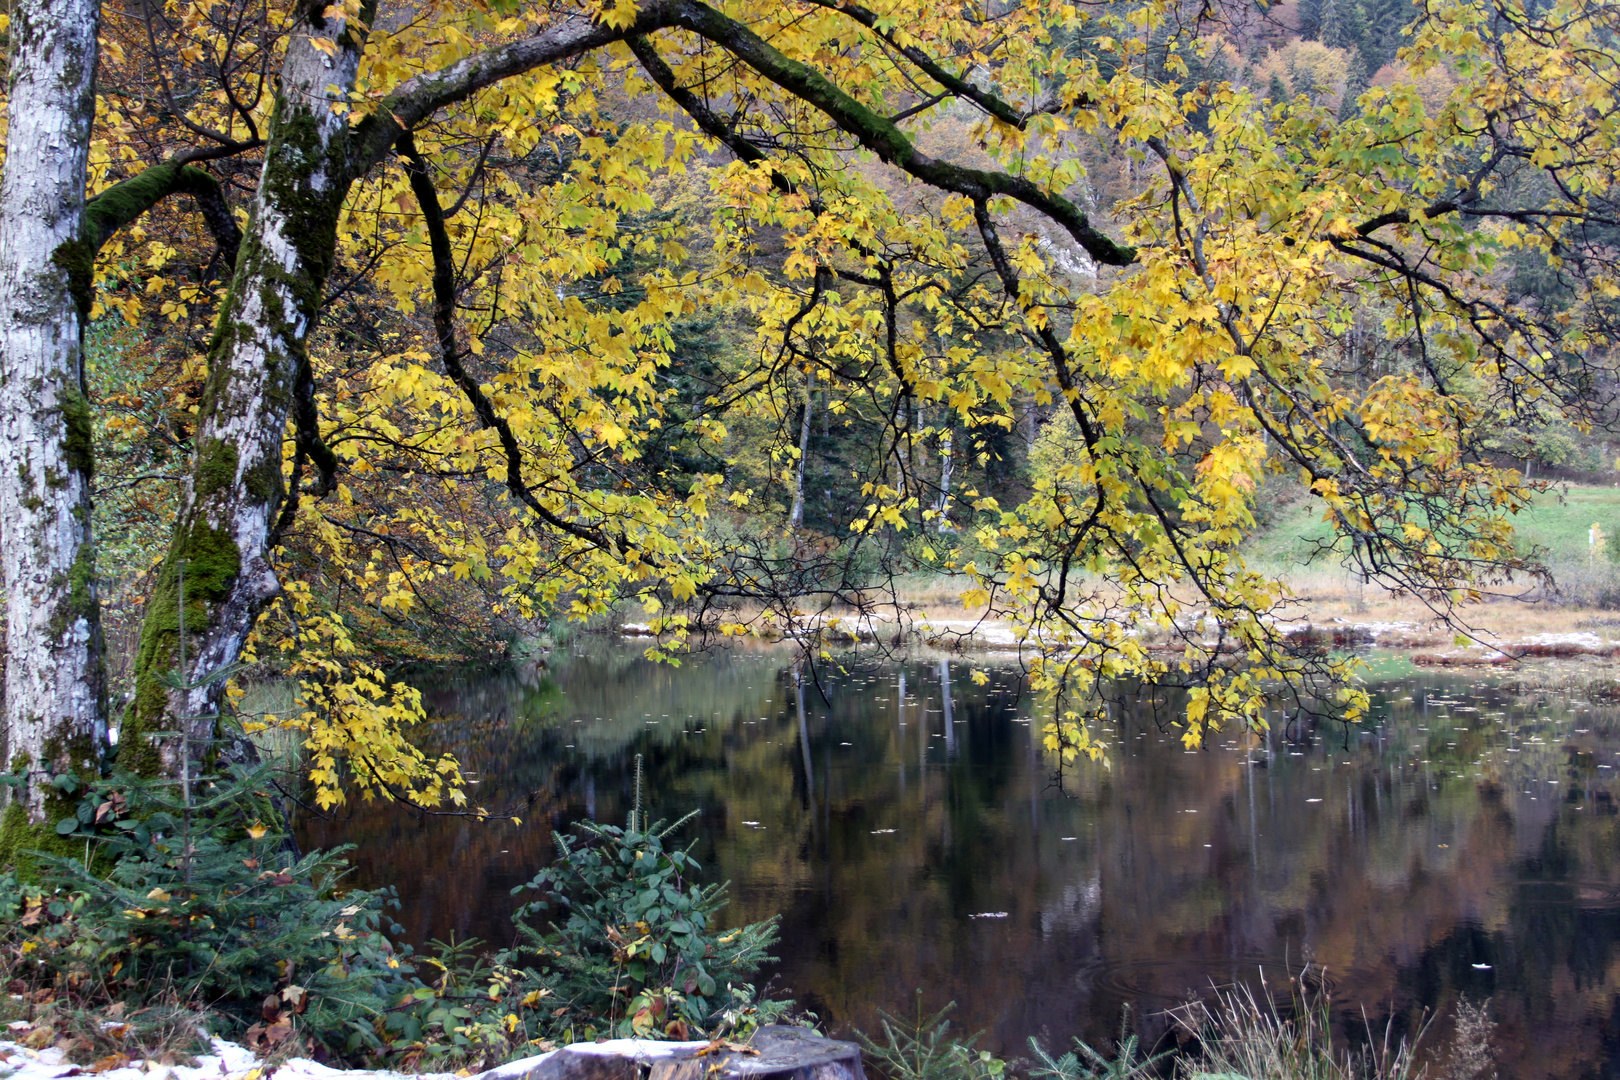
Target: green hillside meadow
x: 1558, y: 522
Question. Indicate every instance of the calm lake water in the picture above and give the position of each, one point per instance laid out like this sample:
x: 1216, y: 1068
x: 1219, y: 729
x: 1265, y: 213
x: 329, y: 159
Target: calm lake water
x: 910, y: 833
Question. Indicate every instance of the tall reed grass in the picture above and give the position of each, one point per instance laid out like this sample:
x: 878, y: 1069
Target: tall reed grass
x: 1230, y: 1034
x: 1239, y: 1034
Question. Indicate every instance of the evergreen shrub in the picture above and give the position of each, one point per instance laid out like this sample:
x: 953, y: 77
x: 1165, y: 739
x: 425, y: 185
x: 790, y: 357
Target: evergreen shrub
x: 192, y: 898
x: 630, y: 948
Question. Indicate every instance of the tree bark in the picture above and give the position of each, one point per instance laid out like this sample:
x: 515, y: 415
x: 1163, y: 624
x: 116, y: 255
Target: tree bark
x: 55, y: 708
x: 796, y: 515
x: 259, y: 367
x: 258, y: 363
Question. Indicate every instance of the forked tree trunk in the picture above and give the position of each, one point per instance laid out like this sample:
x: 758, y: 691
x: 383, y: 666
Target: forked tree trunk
x: 55, y: 704
x: 258, y: 355
x: 258, y: 367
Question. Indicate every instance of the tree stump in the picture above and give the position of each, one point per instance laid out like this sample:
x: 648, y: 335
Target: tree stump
x: 779, y: 1053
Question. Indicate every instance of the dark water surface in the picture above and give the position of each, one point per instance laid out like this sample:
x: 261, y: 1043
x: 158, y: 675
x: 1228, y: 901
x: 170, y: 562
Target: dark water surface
x: 1465, y: 845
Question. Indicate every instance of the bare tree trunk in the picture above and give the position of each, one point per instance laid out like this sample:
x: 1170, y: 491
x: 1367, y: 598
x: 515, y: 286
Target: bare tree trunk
x: 55, y: 707
x: 946, y: 467
x: 796, y: 516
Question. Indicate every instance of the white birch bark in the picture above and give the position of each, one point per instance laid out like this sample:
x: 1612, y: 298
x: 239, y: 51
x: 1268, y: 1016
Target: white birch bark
x: 54, y: 694
x: 796, y: 515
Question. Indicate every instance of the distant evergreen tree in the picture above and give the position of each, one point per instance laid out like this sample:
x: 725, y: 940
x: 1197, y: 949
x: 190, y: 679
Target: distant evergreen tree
x: 1311, y: 13
x: 1533, y: 275
x: 1382, y: 33
x: 677, y: 452
x: 1332, y: 33
x: 1353, y: 30
x: 1069, y: 42
x: 1277, y: 93
x: 1314, y: 82
x: 1158, y: 54
x: 1355, y: 84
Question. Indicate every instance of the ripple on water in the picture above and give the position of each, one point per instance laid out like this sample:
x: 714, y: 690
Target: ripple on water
x: 1174, y: 980
x: 1591, y: 895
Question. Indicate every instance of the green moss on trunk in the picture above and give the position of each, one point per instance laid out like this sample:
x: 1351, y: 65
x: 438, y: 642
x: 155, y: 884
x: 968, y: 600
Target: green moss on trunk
x: 80, y: 601
x: 216, y: 468
x: 211, y: 560
x: 78, y: 259
x: 76, y: 440
x: 20, y: 838
x: 270, y: 307
x: 124, y: 202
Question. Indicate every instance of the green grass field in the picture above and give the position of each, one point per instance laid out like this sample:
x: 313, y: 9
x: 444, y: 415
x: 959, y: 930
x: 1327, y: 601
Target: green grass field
x: 1558, y: 522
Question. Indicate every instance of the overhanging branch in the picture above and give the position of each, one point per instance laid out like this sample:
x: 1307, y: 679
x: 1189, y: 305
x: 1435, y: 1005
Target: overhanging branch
x: 444, y: 328
x: 122, y: 203
x: 955, y: 85
x: 885, y: 138
x: 420, y: 97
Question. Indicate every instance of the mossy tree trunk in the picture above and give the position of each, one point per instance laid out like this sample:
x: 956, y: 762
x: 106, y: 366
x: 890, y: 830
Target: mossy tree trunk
x: 258, y: 363
x: 259, y: 374
x: 55, y: 707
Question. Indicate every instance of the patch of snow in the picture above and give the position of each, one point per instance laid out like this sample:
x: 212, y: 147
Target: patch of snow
x: 640, y: 1049
x: 231, y: 1061
x: 1583, y: 641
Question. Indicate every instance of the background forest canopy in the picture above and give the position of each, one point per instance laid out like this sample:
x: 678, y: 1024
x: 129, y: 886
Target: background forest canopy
x: 403, y: 329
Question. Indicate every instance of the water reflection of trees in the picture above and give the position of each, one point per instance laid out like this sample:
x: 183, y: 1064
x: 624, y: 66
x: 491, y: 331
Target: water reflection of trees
x: 879, y: 830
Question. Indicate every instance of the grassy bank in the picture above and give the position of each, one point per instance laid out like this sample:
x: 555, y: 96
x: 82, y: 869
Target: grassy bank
x: 1586, y: 580
x: 1295, y: 545
x: 1556, y: 523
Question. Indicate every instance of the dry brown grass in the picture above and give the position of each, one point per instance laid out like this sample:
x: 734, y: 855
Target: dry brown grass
x: 1469, y: 1054
x: 1242, y: 1035
x: 1325, y: 595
